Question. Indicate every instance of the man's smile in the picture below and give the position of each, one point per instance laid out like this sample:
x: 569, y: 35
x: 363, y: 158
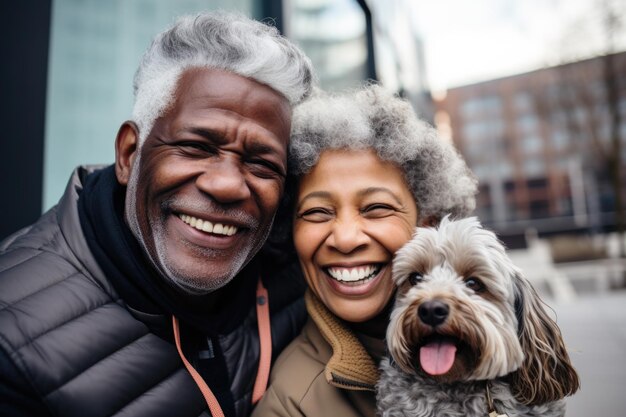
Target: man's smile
x: 207, y: 226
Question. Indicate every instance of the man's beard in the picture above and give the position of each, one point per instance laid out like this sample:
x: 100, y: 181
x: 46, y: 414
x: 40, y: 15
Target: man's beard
x: 190, y: 283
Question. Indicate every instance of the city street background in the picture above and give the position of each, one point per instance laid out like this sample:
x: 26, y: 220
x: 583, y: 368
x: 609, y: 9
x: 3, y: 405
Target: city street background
x: 589, y: 303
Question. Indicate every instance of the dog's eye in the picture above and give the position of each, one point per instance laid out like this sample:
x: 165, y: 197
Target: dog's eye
x: 415, y: 278
x: 474, y: 284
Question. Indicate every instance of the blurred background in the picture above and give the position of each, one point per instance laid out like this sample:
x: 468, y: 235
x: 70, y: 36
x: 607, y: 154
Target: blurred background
x: 532, y: 93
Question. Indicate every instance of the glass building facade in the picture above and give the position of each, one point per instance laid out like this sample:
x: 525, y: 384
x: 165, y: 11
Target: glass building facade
x: 95, y: 47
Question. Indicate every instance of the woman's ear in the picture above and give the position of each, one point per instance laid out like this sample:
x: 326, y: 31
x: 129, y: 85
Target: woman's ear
x: 546, y: 374
x: 126, y: 148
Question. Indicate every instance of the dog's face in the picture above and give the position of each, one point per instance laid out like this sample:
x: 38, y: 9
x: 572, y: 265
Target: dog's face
x: 464, y: 312
x: 454, y: 317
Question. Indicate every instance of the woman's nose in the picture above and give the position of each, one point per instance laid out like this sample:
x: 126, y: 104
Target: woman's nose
x: 224, y: 180
x: 347, y: 235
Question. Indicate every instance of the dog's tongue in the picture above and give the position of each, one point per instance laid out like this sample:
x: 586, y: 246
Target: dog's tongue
x: 437, y: 357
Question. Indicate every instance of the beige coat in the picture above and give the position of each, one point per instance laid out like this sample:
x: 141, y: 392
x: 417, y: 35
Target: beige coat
x: 326, y: 371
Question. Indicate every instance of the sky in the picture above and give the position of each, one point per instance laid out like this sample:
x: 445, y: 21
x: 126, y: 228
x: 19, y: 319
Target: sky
x: 470, y: 41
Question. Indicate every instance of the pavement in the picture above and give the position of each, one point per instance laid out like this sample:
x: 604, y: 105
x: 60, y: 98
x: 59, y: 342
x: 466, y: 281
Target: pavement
x: 591, y: 313
x: 594, y: 329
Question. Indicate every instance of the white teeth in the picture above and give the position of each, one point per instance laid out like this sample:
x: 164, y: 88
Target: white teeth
x: 207, y: 226
x: 353, y: 274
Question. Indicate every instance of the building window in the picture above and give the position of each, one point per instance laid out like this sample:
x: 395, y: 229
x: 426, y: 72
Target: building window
x: 481, y: 106
x: 539, y: 209
x: 559, y: 139
x: 534, y: 167
x: 537, y: 183
x: 527, y: 123
x: 531, y: 144
x: 523, y: 102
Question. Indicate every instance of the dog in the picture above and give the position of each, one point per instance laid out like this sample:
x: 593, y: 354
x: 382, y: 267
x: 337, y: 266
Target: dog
x: 468, y: 334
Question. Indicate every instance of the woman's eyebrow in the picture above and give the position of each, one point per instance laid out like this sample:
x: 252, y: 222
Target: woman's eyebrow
x: 314, y: 194
x: 374, y: 190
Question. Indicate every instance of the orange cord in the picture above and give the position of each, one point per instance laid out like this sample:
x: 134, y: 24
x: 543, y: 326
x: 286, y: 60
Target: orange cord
x: 265, y: 340
x: 265, y: 356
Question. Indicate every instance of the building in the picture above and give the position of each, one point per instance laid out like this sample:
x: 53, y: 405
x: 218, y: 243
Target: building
x: 547, y: 146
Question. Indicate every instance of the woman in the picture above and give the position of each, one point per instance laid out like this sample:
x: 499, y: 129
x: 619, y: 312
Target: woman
x: 367, y: 173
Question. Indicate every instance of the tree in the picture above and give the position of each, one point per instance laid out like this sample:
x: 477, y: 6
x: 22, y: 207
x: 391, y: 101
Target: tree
x: 583, y: 100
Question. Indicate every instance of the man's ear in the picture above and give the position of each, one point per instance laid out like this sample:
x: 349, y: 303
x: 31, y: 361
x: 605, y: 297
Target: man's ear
x: 126, y: 147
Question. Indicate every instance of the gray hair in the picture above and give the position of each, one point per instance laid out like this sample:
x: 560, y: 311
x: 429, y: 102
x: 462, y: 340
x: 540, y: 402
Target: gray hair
x: 373, y: 118
x: 219, y: 40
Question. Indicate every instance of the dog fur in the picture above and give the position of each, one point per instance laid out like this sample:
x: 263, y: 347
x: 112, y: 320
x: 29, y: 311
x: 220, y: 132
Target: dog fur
x: 507, y: 346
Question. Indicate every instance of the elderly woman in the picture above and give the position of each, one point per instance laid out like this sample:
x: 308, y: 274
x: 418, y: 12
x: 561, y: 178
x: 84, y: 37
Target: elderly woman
x: 367, y: 173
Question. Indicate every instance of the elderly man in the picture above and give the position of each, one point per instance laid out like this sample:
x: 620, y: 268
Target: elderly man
x: 148, y: 264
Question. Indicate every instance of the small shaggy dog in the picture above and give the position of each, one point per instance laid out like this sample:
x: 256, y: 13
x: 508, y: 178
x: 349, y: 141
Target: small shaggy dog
x: 468, y: 335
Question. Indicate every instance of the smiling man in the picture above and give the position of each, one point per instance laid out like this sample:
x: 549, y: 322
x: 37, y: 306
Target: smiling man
x: 150, y: 263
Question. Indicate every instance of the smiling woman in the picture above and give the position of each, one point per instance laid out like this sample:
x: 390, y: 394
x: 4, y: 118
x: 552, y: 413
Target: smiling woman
x: 348, y: 225
x: 367, y: 172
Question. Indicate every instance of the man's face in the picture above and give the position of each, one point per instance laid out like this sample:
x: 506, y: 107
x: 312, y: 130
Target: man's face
x: 204, y: 187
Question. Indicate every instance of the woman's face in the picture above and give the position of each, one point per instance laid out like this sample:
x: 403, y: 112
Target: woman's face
x: 353, y: 212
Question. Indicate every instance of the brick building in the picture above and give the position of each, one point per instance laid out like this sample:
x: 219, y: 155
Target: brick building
x: 546, y: 145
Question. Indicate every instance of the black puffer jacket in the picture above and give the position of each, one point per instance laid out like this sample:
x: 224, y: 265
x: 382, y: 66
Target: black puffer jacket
x: 70, y: 347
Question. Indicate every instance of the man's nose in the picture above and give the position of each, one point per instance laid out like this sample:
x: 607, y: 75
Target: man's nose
x: 347, y: 235
x: 224, y: 181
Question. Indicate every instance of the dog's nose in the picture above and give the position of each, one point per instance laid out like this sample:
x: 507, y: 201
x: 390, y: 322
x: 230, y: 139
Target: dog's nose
x: 433, y: 312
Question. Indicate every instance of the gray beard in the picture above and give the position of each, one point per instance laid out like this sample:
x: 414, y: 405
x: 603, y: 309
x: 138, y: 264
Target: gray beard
x: 196, y: 285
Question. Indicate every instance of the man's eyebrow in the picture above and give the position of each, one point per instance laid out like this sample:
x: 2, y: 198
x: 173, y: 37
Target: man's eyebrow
x: 374, y: 190
x: 207, y: 133
x: 262, y: 148
x: 219, y: 137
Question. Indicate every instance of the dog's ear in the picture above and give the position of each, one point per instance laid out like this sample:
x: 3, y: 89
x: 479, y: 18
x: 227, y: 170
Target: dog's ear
x: 546, y: 373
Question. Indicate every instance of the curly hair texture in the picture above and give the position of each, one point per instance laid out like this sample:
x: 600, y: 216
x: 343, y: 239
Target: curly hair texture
x: 219, y: 40
x: 373, y: 118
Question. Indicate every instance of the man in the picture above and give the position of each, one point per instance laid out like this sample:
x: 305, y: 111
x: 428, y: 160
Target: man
x: 162, y: 243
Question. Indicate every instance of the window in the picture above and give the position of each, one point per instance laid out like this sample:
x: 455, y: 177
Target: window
x: 527, y: 123
x: 531, y: 144
x: 537, y: 183
x: 559, y: 139
x: 487, y: 105
x: 534, y: 167
x: 539, y: 209
x: 523, y: 102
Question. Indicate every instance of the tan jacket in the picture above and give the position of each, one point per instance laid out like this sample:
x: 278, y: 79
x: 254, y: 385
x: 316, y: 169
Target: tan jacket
x: 325, y: 372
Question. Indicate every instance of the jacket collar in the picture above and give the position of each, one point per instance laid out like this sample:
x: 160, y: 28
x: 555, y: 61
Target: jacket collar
x: 350, y: 365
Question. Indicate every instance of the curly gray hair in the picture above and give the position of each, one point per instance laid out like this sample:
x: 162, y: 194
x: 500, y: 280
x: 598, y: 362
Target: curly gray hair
x: 373, y: 118
x: 220, y: 40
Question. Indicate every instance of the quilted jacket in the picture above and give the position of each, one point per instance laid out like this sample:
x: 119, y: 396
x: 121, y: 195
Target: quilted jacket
x: 70, y: 346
